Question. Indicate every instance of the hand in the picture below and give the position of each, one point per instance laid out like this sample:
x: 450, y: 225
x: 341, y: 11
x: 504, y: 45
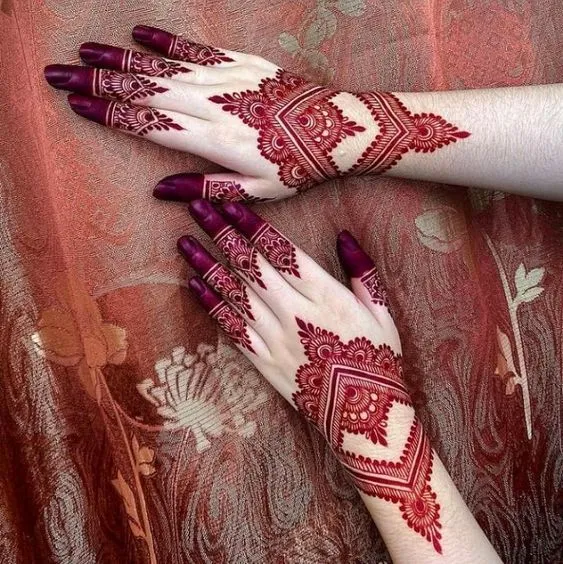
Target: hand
x: 276, y: 132
x: 333, y: 354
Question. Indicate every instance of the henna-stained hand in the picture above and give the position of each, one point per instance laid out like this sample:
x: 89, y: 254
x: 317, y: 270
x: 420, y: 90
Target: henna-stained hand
x: 278, y: 133
x: 332, y: 353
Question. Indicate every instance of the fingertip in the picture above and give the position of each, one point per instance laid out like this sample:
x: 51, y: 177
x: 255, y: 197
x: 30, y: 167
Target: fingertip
x: 355, y: 261
x: 198, y: 286
x: 233, y: 210
x: 187, y: 245
x: 180, y: 187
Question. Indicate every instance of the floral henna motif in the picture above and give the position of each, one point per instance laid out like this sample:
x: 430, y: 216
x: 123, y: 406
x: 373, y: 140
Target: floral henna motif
x: 123, y: 87
x: 228, y: 191
x: 233, y: 325
x: 137, y: 119
x: 298, y: 126
x: 350, y: 388
x: 373, y: 285
x: 399, y: 131
x: 230, y: 287
x: 240, y: 253
x: 150, y: 65
x: 204, y: 55
x: 278, y: 250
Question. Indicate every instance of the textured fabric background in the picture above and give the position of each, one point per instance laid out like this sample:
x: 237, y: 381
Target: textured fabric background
x: 131, y: 432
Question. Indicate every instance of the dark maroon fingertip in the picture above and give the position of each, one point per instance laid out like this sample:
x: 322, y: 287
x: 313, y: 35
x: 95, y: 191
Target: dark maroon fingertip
x: 70, y: 77
x: 95, y: 109
x: 153, y: 37
x: 198, y: 286
x: 207, y: 217
x: 233, y: 211
x: 201, y: 208
x: 99, y: 55
x: 188, y: 246
x: 180, y: 187
x: 353, y: 258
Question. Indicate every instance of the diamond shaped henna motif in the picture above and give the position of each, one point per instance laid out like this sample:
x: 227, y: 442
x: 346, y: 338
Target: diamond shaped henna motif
x: 399, y: 131
x: 279, y: 251
x: 298, y: 126
x: 351, y: 388
x: 373, y: 285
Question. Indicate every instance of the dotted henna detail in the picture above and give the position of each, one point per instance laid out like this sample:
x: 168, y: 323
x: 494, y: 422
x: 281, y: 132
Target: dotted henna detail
x: 375, y: 288
x: 233, y: 325
x: 400, y: 131
x: 230, y: 287
x: 350, y: 388
x: 185, y: 50
x: 241, y: 255
x: 298, y: 126
x: 137, y: 119
x: 228, y: 191
x: 278, y: 250
x: 124, y: 87
x: 150, y: 65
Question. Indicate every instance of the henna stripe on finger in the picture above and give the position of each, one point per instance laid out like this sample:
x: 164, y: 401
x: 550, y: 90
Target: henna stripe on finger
x: 242, y: 256
x: 139, y: 120
x: 123, y: 87
x: 227, y: 319
x: 357, y: 264
x: 128, y: 60
x: 178, y: 48
x: 216, y: 275
x: 278, y: 250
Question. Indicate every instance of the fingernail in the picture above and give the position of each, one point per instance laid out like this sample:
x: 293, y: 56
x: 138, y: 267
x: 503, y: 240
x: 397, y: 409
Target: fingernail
x: 187, y: 246
x: 95, y: 53
x: 233, y: 211
x: 200, y: 209
x: 58, y: 75
x: 347, y: 241
x: 180, y: 187
x: 197, y: 285
x: 94, y: 109
x: 143, y: 33
x: 353, y: 258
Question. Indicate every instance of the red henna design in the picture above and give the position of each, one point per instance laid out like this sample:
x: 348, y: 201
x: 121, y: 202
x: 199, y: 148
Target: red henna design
x: 375, y: 288
x: 233, y: 325
x: 123, y: 87
x: 137, y: 119
x: 298, y: 126
x: 228, y: 191
x: 230, y: 287
x: 185, y: 50
x: 400, y: 131
x: 240, y: 253
x: 150, y: 65
x: 278, y: 250
x: 350, y: 388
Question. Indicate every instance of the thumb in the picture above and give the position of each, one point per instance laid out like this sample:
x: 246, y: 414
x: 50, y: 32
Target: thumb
x: 364, y: 277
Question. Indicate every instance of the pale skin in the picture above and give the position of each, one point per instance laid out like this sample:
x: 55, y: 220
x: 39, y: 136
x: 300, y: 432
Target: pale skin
x: 506, y: 139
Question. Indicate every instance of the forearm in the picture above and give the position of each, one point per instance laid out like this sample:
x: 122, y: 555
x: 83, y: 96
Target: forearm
x: 461, y: 539
x: 514, y: 144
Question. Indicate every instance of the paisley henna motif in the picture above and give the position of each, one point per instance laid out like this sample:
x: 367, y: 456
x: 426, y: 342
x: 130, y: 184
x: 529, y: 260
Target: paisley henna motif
x: 241, y: 255
x: 137, y: 119
x: 350, y: 388
x: 373, y: 285
x: 123, y: 87
x: 230, y: 287
x: 228, y: 191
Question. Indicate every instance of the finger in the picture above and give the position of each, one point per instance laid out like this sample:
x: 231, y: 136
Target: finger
x: 127, y: 60
x: 181, y: 49
x: 230, y: 287
x: 170, y: 129
x: 243, y: 336
x: 223, y: 187
x: 366, y: 284
x: 246, y: 260
x: 297, y: 268
x: 159, y: 93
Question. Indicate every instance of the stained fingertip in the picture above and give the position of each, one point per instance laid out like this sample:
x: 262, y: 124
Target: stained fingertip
x: 180, y: 187
x: 187, y: 245
x: 158, y: 39
x: 95, y: 109
x: 355, y: 261
x: 232, y: 211
x: 71, y: 77
x: 97, y: 54
x: 198, y: 286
